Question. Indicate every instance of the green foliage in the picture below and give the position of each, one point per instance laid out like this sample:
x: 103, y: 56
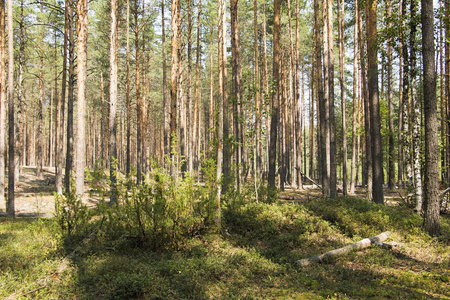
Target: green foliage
x: 252, y: 258
x: 71, y: 214
x: 360, y: 218
x: 161, y: 213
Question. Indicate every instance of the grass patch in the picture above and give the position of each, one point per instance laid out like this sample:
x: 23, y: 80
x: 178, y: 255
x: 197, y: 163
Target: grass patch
x: 253, y: 258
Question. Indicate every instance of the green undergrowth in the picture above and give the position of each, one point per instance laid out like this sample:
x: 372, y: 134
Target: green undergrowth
x: 253, y: 257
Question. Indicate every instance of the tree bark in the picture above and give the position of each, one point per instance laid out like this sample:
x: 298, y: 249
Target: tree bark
x: 266, y: 88
x: 2, y: 101
x: 127, y: 96
x: 300, y: 112
x: 235, y: 63
x: 258, y: 116
x: 431, y: 209
x: 197, y: 95
x: 20, y: 125
x: 416, y: 113
x: 59, y: 146
x: 69, y: 132
x: 174, y: 73
x: 82, y: 30
x: 165, y: 104
x: 447, y: 88
x: 320, y: 95
x: 442, y: 94
x: 355, y: 101
x: 367, y: 169
x: 138, y: 97
x: 275, y: 95
x: 226, y: 144
x: 113, y: 104
x: 40, y: 130
x: 220, y: 114
x: 343, y: 104
x: 292, y: 96
x: 390, y: 96
x: 375, y: 124
x: 329, y: 180
x: 11, y: 163
x: 189, y: 100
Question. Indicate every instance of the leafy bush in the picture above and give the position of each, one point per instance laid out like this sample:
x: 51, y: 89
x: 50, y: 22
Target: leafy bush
x: 72, y: 214
x: 161, y: 212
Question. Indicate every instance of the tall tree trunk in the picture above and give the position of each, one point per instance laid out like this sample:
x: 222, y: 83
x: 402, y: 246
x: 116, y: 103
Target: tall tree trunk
x: 19, y: 132
x: 442, y: 93
x: 40, y: 130
x: 266, y: 88
x: 258, y: 117
x: 212, y: 106
x: 220, y: 106
x: 390, y: 96
x: 226, y: 144
x: 197, y: 95
x: 431, y: 220
x: 80, y: 159
x: 11, y: 172
x: 300, y: 112
x: 2, y: 101
x: 50, y: 128
x: 190, y: 102
x: 329, y: 182
x: 165, y: 104
x: 182, y: 104
x: 355, y: 101
x: 57, y: 105
x: 415, y: 118
x: 113, y: 103
x: 102, y: 118
x: 292, y: 95
x: 138, y: 97
x: 447, y: 88
x: 275, y: 95
x: 332, y: 127
x: 311, y: 117
x: 69, y: 132
x: 343, y: 104
x: 145, y: 105
x: 174, y: 73
x: 128, y: 97
x: 235, y: 63
x: 367, y: 169
x: 320, y: 96
x: 403, y: 94
x: 377, y: 155
x: 59, y: 146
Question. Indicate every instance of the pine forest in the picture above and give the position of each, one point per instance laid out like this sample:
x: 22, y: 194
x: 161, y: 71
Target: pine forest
x: 272, y: 130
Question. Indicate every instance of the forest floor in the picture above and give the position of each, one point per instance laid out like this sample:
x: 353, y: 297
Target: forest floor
x: 252, y: 258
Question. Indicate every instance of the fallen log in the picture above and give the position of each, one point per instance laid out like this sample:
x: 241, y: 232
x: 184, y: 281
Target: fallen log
x: 318, y: 185
x: 289, y: 197
x: 365, y: 243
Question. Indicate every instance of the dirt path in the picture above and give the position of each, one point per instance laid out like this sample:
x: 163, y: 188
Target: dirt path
x: 34, y: 196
